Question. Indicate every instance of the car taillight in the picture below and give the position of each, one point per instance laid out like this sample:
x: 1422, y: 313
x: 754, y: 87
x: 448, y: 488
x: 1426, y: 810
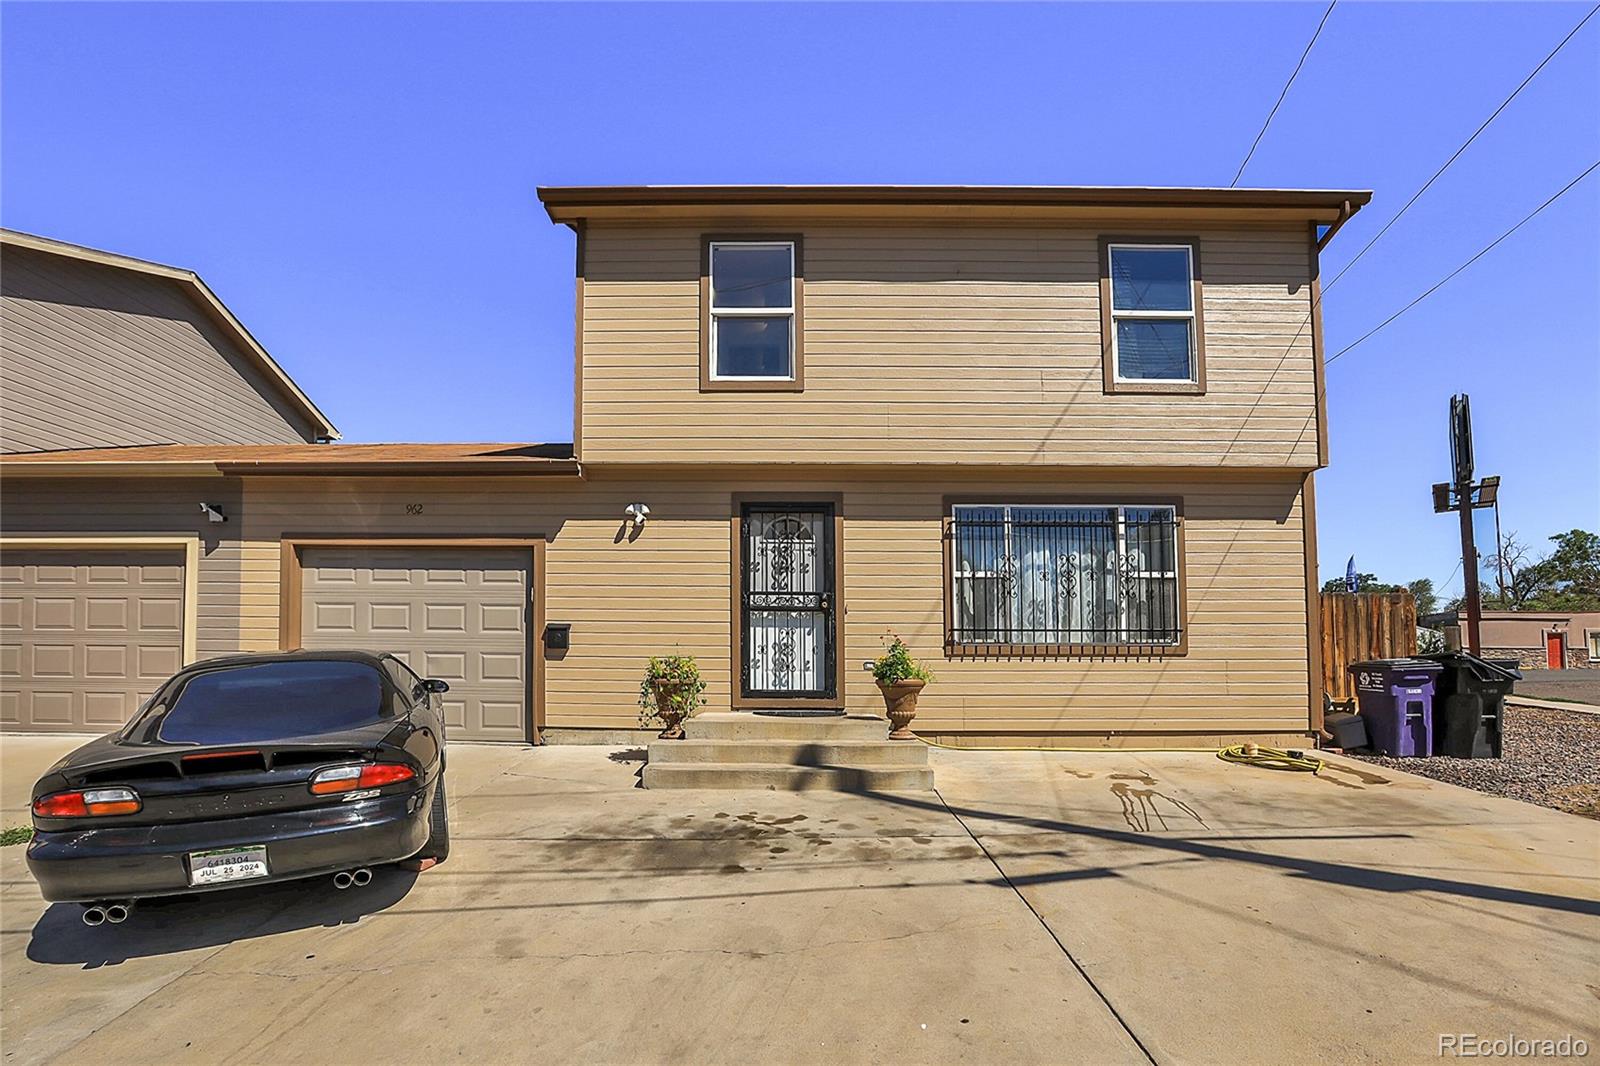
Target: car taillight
x: 362, y: 775
x: 89, y: 804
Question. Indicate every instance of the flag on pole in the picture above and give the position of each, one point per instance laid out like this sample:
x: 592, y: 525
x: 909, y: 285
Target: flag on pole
x: 1352, y: 582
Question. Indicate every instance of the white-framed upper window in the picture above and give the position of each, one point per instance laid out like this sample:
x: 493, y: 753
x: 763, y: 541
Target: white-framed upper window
x: 1153, y: 325
x: 752, y: 293
x: 1052, y: 574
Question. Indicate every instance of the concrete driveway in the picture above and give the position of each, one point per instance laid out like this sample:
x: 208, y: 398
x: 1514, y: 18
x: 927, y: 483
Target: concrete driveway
x: 1049, y: 908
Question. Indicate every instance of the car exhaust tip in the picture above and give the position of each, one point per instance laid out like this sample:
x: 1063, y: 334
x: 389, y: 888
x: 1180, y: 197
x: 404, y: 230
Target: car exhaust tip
x: 343, y: 880
x: 117, y: 913
x: 361, y: 877
x: 94, y: 916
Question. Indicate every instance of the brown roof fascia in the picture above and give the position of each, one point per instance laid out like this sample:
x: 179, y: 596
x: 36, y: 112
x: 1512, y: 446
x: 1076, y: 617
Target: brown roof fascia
x: 568, y: 204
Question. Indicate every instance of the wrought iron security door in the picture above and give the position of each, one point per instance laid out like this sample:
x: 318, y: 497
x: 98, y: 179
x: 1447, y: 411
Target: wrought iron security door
x: 787, y: 600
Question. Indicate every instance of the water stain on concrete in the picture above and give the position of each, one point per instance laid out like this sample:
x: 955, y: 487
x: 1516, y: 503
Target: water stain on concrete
x: 1140, y: 805
x: 733, y: 868
x: 1083, y: 775
x: 1362, y: 775
x: 1143, y: 779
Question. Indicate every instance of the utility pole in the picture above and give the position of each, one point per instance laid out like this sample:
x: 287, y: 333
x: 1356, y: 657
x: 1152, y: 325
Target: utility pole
x: 1460, y: 494
x: 1499, y: 552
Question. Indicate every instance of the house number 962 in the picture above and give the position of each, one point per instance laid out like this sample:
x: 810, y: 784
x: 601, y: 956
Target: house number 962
x: 413, y: 508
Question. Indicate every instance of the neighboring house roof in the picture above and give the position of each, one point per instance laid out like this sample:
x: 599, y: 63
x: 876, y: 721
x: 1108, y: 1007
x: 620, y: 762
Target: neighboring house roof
x: 202, y: 295
x: 341, y: 459
x: 570, y: 204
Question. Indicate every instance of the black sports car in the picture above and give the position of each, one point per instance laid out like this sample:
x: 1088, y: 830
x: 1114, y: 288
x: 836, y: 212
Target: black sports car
x: 244, y: 770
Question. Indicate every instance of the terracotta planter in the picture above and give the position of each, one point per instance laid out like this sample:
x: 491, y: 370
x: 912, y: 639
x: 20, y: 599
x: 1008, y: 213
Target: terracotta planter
x: 900, y: 699
x: 668, y: 708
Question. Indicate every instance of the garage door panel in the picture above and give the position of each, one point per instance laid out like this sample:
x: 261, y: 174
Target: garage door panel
x: 88, y: 634
x: 446, y: 666
x: 54, y: 613
x: 493, y: 666
x: 496, y: 618
x: 333, y: 618
x: 106, y: 661
x: 53, y: 708
x: 52, y: 661
x: 157, y: 664
x: 455, y: 614
x: 106, y: 709
x: 443, y: 618
x: 389, y: 618
x: 106, y: 613
x: 160, y: 615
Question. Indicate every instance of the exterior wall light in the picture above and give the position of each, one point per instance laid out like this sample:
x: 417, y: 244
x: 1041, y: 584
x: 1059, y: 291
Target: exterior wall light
x: 637, y: 513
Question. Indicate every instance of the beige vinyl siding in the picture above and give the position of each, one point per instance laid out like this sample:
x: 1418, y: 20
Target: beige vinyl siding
x: 961, y: 343
x: 81, y: 507
x: 93, y: 356
x: 669, y: 590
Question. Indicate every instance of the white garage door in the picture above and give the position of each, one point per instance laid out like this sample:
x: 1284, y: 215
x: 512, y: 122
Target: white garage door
x: 460, y: 615
x: 86, y: 636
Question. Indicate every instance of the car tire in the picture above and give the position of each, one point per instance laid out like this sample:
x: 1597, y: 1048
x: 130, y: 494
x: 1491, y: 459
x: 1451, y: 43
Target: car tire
x: 438, y: 846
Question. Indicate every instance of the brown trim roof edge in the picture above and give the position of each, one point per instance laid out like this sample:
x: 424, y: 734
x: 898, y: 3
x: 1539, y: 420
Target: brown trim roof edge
x: 563, y: 202
x: 340, y: 459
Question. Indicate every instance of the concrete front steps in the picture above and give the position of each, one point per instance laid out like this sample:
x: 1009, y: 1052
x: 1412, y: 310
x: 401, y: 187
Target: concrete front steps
x: 742, y: 750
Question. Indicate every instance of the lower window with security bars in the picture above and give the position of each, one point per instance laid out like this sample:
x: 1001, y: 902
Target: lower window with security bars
x: 1057, y: 576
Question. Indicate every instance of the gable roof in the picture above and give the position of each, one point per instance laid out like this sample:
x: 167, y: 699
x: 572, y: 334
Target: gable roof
x: 203, y: 296
x: 572, y: 203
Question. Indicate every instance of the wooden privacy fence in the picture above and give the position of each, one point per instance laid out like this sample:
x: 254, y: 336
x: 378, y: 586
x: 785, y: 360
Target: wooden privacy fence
x: 1360, y: 626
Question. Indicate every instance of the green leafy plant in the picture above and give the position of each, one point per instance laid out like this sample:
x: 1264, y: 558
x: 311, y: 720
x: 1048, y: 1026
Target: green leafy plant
x: 16, y: 834
x: 680, y: 677
x: 896, y: 664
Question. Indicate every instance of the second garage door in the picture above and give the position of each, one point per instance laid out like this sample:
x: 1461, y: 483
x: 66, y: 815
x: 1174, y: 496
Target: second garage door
x: 460, y: 615
x: 86, y: 635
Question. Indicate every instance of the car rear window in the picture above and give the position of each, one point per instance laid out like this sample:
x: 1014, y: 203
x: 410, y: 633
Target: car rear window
x: 269, y: 701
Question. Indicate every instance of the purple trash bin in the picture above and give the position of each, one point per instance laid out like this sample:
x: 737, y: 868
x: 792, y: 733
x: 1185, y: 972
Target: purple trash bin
x: 1395, y: 699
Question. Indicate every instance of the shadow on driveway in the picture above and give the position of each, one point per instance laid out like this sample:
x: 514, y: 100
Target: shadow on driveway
x: 183, y: 923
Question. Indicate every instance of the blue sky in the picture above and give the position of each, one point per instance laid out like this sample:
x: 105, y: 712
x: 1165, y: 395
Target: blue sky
x: 357, y: 181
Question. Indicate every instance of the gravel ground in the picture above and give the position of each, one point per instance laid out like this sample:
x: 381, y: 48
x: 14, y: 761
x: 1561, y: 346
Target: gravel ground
x: 1551, y: 758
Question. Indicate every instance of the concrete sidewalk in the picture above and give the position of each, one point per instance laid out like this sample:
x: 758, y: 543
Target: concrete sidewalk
x: 1111, y: 907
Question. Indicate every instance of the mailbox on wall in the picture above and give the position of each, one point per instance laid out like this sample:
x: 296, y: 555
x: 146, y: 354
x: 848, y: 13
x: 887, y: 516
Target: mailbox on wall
x: 557, y: 636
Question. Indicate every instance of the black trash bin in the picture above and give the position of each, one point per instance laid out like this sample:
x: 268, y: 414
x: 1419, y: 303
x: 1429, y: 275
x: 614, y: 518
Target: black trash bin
x: 1469, y: 708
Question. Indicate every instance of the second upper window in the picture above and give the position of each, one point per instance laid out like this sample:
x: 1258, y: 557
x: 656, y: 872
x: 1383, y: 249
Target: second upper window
x: 752, y: 307
x: 1154, y: 321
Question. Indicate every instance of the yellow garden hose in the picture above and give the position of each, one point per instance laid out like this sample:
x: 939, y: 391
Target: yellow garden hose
x: 1270, y: 758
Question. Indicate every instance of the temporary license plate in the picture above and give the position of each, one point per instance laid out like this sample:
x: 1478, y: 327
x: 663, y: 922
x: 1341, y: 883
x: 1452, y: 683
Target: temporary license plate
x: 228, y: 864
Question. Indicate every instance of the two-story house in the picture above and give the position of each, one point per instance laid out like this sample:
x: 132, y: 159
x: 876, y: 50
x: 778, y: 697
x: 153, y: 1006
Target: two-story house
x: 1060, y: 440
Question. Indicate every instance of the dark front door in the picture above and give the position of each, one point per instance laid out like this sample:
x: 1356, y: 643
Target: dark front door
x: 787, y: 601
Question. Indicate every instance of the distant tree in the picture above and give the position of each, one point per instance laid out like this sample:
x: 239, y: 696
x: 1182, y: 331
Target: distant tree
x: 1422, y: 592
x: 1366, y: 582
x: 1566, y: 579
x: 1514, y: 564
x: 1569, y: 577
x: 1421, y: 589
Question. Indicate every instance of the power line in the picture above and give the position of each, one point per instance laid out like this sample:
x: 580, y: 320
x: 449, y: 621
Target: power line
x: 1464, y: 145
x: 1481, y: 253
x: 1283, y: 94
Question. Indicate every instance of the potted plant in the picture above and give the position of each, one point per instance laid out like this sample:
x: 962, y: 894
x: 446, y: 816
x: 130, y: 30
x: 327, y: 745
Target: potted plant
x: 670, y: 692
x: 900, y: 679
